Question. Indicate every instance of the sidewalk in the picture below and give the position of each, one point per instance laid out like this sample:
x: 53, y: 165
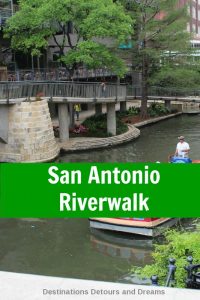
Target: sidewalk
x: 15, y: 286
x: 88, y: 113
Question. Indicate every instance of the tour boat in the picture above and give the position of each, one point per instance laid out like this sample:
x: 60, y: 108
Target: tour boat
x: 182, y: 160
x: 142, y: 226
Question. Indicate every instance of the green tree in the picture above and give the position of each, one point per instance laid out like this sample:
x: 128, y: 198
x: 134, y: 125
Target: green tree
x: 179, y: 77
x: 94, y: 22
x: 159, y: 37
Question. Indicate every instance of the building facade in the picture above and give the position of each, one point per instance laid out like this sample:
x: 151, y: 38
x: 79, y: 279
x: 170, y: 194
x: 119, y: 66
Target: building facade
x: 6, y: 11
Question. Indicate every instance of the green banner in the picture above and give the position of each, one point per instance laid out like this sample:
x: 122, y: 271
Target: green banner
x: 99, y: 190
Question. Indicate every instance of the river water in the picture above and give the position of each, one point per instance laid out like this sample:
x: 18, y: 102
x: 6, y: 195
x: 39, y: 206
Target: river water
x: 155, y: 143
x: 67, y: 247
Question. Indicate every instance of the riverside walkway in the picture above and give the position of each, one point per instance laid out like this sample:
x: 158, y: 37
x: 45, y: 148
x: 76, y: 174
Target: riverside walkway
x: 15, y: 286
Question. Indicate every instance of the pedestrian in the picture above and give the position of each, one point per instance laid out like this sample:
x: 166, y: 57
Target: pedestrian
x: 182, y: 148
x: 77, y: 109
x: 103, y: 89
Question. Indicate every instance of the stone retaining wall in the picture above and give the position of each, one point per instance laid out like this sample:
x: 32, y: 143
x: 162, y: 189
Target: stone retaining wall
x: 81, y: 144
x: 156, y: 120
x: 30, y: 134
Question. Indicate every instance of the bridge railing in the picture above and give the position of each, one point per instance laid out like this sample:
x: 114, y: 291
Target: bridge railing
x: 56, y: 74
x: 136, y: 91
x: 73, y: 89
x: 174, y: 92
x: 16, y: 90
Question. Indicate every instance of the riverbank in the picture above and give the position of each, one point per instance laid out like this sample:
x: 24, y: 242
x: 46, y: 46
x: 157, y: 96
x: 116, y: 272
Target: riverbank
x: 83, y: 143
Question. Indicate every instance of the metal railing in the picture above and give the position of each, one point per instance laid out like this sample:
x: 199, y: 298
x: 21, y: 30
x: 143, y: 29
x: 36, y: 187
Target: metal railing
x: 16, y: 90
x: 136, y: 91
x: 58, y: 74
x: 74, y: 89
x: 193, y: 274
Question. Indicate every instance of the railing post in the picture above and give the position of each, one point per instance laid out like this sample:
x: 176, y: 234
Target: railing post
x: 7, y: 92
x: 95, y: 91
x: 171, y: 272
x: 154, y: 280
x: 117, y: 87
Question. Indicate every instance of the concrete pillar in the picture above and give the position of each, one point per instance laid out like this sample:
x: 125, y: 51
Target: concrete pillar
x: 63, y: 118
x: 4, y: 123
x: 71, y: 115
x: 52, y: 109
x: 111, y: 119
x: 98, y: 109
x: 122, y: 106
x: 168, y: 104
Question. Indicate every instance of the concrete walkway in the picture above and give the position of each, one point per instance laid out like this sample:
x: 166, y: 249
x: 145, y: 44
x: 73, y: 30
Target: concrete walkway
x: 88, y: 113
x: 15, y: 286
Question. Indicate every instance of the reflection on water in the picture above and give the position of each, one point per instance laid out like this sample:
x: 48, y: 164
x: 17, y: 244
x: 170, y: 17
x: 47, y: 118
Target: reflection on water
x: 60, y: 247
x: 135, y: 249
x: 67, y: 248
x: 155, y: 143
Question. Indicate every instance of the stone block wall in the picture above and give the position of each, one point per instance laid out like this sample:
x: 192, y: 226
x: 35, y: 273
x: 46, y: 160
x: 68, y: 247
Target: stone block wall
x: 30, y: 134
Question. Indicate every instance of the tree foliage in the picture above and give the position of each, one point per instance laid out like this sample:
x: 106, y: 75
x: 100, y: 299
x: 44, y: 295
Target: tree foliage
x: 177, y: 77
x: 39, y: 21
x: 159, y: 37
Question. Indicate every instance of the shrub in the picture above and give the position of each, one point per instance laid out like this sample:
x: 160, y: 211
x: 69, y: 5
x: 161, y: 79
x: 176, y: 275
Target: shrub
x: 97, y: 125
x: 178, y: 245
x: 133, y: 110
x: 177, y: 78
x: 157, y: 109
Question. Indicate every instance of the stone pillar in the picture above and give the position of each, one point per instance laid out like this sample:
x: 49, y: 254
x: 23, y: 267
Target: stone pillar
x: 122, y: 106
x: 111, y: 119
x: 168, y: 104
x: 63, y: 117
x: 71, y: 115
x: 30, y: 135
x: 98, y: 109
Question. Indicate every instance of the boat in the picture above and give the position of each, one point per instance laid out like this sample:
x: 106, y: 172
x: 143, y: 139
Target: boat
x: 182, y: 160
x: 143, y: 226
